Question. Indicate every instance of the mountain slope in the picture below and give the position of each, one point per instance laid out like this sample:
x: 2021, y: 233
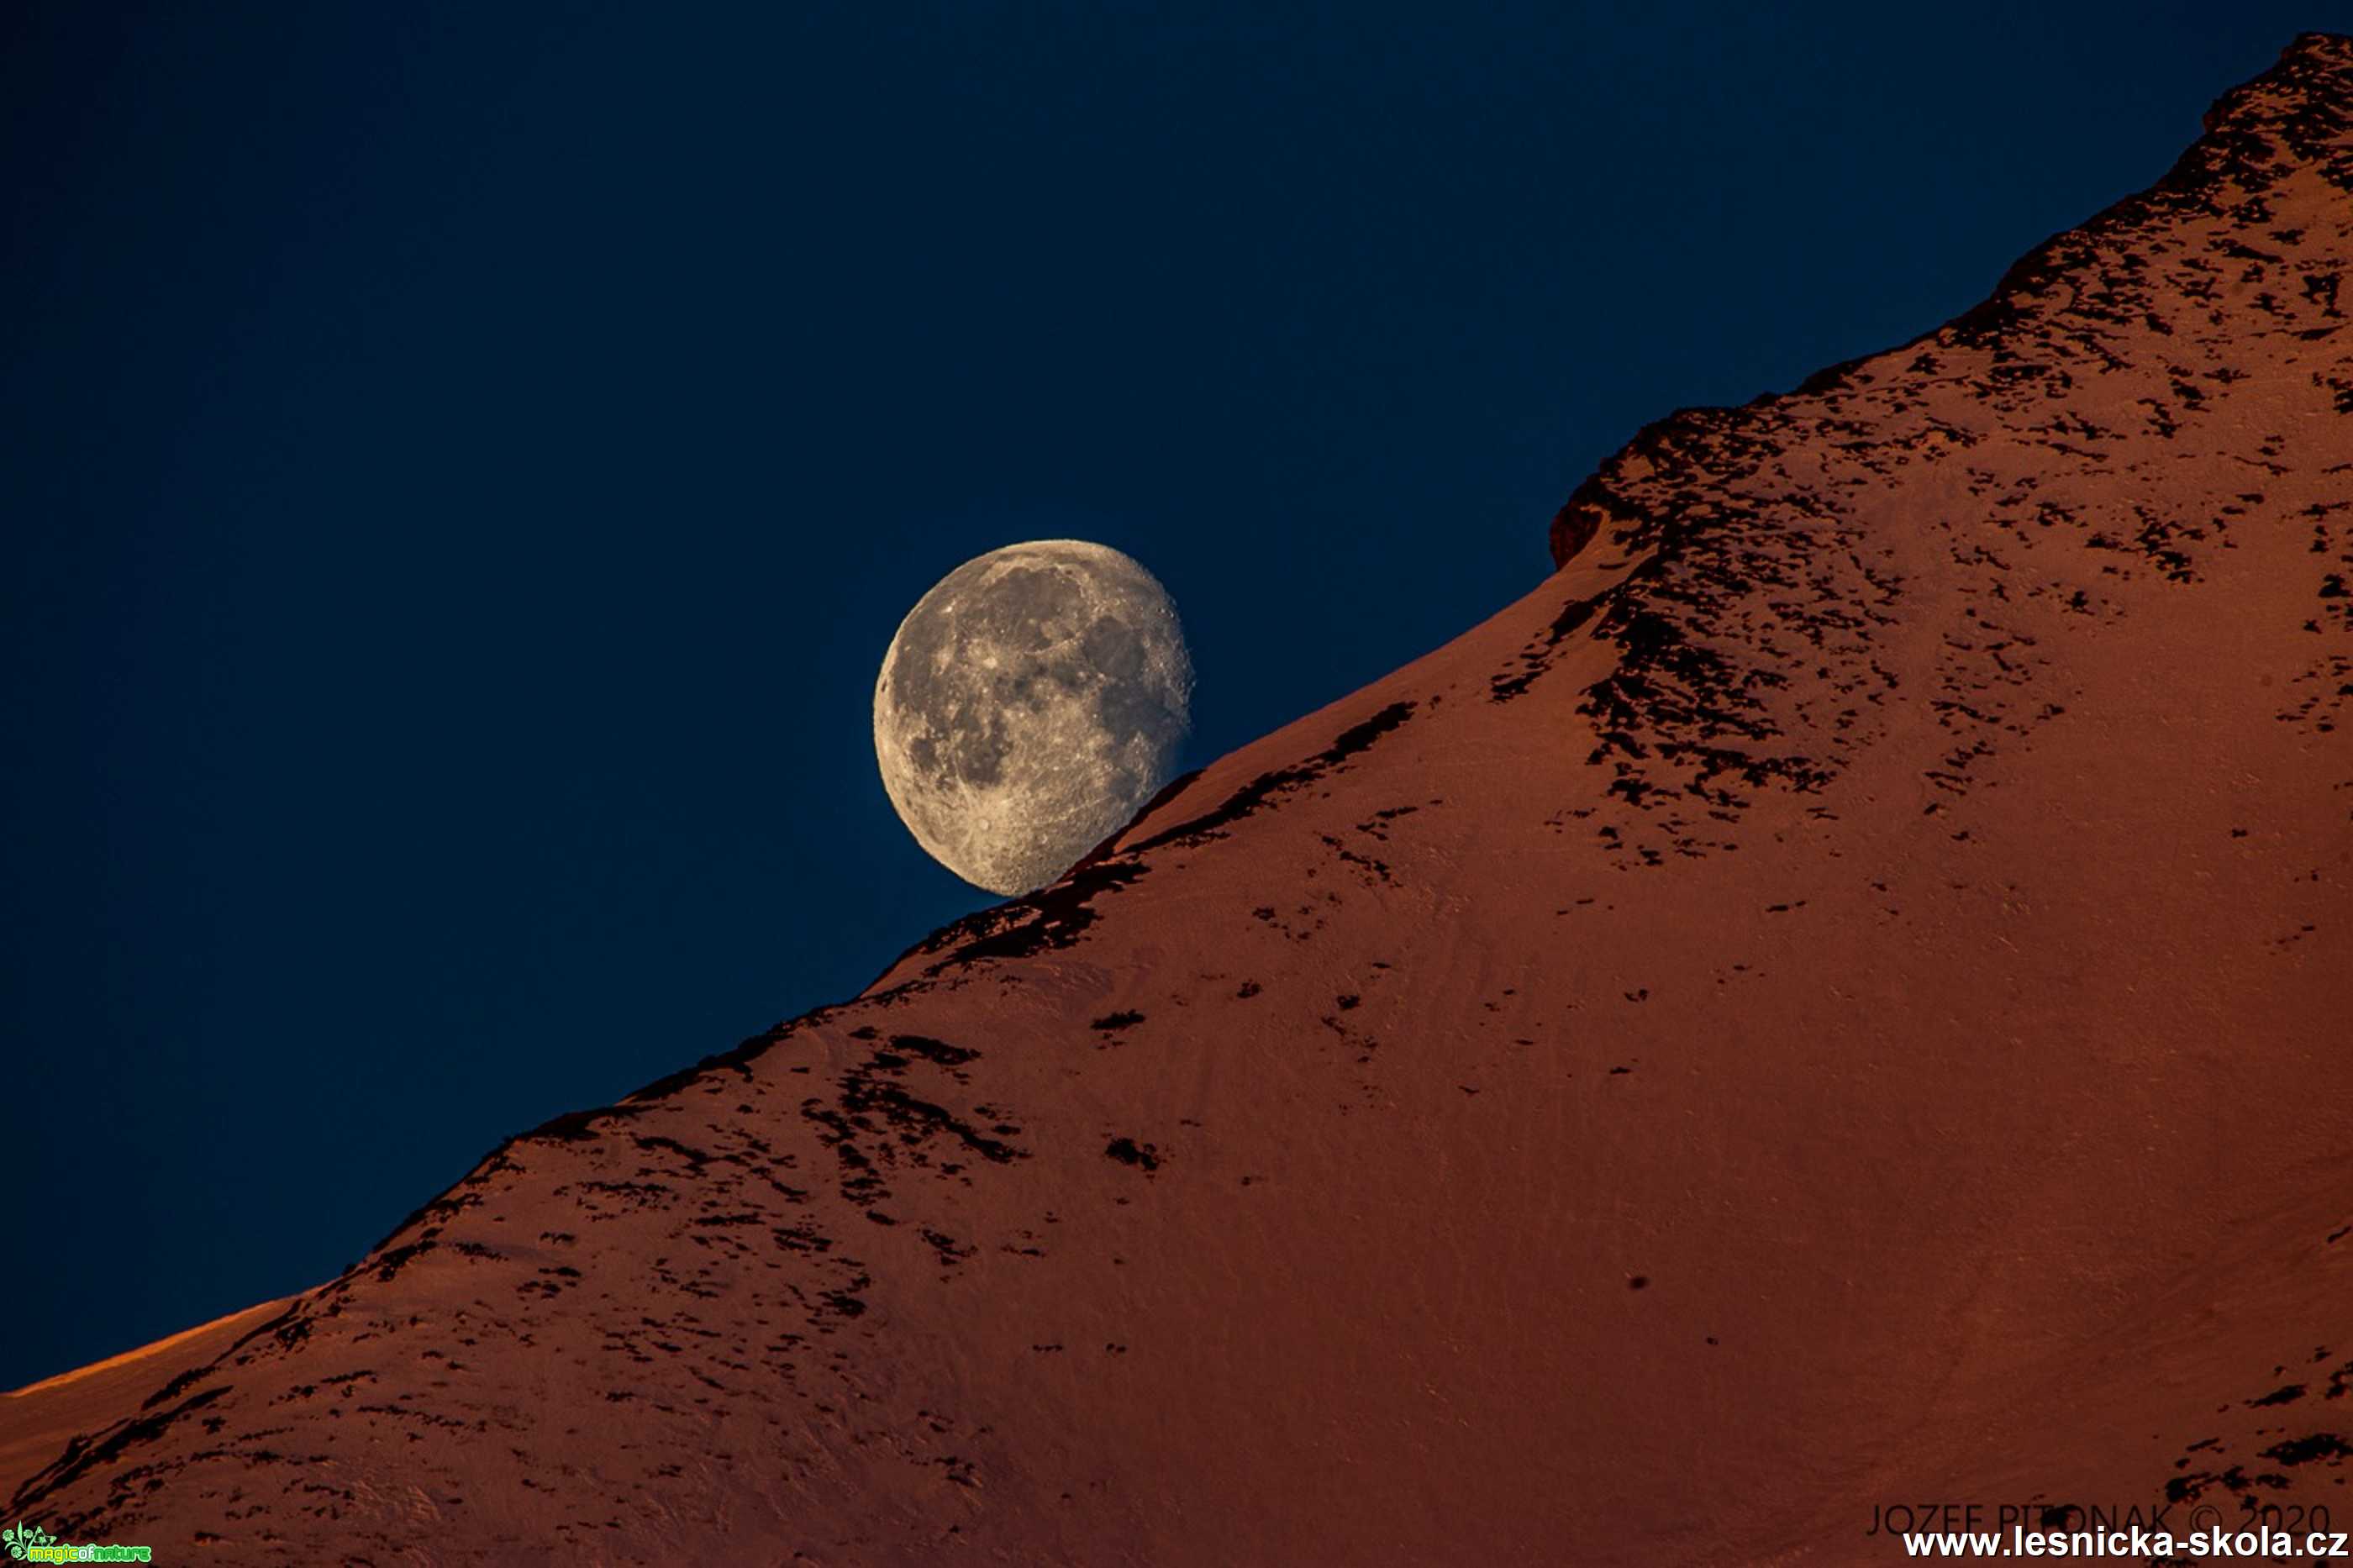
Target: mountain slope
x: 1836, y: 999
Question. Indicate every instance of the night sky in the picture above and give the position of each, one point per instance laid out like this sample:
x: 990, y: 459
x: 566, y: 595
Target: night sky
x: 461, y: 466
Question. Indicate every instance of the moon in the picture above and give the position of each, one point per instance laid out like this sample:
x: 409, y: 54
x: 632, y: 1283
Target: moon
x: 1029, y: 706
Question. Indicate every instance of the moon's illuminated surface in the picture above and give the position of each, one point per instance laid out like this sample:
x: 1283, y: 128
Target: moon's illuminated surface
x: 1030, y: 703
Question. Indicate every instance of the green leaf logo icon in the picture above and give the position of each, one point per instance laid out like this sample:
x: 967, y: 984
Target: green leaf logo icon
x: 21, y: 1538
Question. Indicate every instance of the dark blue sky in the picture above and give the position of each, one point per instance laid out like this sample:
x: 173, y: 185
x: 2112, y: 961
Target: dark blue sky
x: 461, y: 466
